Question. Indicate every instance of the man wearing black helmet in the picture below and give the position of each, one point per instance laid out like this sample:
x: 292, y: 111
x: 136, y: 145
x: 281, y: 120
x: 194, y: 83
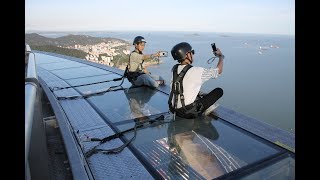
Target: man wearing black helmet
x: 184, y: 99
x: 137, y: 73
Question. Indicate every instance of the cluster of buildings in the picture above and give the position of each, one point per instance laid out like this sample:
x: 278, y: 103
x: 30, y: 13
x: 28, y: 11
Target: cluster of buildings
x: 109, y: 49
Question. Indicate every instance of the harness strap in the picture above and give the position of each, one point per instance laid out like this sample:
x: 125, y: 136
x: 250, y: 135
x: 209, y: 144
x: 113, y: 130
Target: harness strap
x: 132, y: 76
x: 177, y: 86
x: 93, y: 150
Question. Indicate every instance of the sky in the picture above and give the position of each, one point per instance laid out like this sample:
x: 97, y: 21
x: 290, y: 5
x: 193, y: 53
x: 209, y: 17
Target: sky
x: 235, y: 16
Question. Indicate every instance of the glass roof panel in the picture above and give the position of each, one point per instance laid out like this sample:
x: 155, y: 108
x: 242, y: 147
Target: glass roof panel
x: 61, y: 65
x: 47, y: 59
x: 79, y: 72
x: 206, y: 146
x: 283, y: 169
x: 130, y: 103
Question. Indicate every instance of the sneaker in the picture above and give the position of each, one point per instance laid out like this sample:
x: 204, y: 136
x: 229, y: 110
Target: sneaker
x: 161, y: 82
x: 210, y: 109
x: 201, y: 94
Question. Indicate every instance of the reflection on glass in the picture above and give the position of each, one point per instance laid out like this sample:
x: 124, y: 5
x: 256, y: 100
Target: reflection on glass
x: 116, y: 107
x: 191, y: 139
x: 205, y: 147
x: 138, y: 102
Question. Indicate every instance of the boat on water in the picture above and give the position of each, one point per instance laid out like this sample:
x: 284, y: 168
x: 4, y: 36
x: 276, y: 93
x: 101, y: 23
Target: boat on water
x: 263, y: 47
x: 112, y: 130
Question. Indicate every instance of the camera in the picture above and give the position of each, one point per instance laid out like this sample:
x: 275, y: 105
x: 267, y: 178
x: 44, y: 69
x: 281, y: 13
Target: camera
x: 163, y: 53
x: 213, y: 45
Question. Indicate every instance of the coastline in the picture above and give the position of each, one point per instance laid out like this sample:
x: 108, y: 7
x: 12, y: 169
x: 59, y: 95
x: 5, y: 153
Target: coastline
x: 145, y: 64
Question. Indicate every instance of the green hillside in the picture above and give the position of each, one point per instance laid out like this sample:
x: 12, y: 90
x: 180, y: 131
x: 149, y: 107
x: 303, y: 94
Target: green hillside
x: 59, y: 50
x: 56, y: 45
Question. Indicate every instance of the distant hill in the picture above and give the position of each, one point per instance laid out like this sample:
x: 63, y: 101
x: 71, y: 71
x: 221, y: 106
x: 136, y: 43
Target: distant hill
x: 69, y: 40
x: 59, y: 50
x: 36, y: 39
x: 59, y: 45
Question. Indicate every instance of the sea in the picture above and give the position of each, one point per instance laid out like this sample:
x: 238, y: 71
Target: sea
x: 258, y: 78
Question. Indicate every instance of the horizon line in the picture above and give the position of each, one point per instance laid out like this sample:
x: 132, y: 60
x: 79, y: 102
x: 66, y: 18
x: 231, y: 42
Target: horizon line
x: 184, y: 31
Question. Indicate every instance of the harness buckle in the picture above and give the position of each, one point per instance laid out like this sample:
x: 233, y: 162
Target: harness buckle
x: 177, y: 87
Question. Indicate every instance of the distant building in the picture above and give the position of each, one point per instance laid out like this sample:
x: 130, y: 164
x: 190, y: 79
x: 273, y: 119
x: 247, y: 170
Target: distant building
x: 126, y: 52
x: 107, y: 59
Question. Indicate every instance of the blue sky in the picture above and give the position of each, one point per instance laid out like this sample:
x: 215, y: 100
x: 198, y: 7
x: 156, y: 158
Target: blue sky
x: 238, y: 16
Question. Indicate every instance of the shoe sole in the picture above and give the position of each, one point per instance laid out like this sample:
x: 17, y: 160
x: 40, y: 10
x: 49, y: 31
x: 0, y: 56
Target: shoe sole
x: 209, y: 112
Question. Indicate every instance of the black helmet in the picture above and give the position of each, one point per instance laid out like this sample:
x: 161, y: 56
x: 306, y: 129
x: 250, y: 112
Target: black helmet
x: 138, y: 39
x: 179, y: 51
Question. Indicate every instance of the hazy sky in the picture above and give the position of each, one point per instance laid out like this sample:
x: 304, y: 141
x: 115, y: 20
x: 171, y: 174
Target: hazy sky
x: 239, y: 16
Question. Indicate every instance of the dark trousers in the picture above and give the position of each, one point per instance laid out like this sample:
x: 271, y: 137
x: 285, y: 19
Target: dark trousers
x: 210, y: 98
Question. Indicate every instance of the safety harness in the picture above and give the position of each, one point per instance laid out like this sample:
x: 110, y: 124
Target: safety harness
x: 132, y: 76
x: 138, y: 125
x: 189, y: 111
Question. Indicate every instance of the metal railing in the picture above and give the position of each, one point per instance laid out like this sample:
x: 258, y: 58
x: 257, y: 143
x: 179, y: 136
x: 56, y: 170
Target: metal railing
x: 30, y: 97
